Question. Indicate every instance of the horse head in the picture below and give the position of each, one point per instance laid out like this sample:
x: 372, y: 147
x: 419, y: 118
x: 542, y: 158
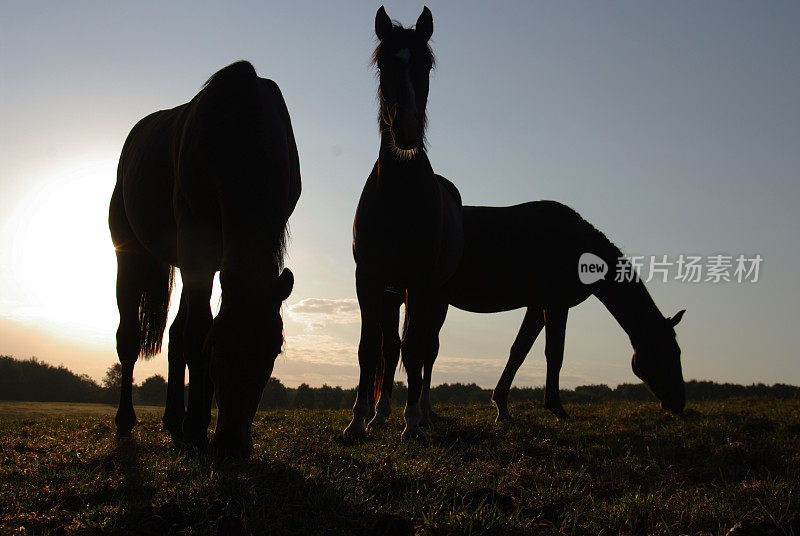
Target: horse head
x: 657, y: 362
x: 404, y: 61
x: 245, y: 340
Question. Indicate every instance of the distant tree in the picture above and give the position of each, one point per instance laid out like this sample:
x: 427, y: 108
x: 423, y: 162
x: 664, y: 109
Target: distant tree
x: 275, y: 395
x: 31, y: 379
x: 304, y: 397
x: 113, y: 378
x: 327, y: 397
x: 399, y: 394
x: 632, y: 391
x: 153, y: 390
x: 112, y: 382
x: 591, y: 394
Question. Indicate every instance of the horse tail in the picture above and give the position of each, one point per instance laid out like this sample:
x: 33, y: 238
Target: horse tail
x: 380, y: 369
x: 390, y: 322
x: 144, y: 283
x: 157, y: 279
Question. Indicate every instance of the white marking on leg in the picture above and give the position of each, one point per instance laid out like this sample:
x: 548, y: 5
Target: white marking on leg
x: 413, y: 416
x: 356, y: 426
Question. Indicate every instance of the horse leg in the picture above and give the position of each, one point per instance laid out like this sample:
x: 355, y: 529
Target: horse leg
x: 531, y: 326
x: 555, y: 333
x: 129, y: 289
x: 197, y: 290
x: 174, y: 411
x: 370, y: 295
x: 425, y: 396
x: 424, y: 316
x: 390, y: 348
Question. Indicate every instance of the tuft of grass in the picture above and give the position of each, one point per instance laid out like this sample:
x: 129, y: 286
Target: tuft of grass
x: 614, y: 468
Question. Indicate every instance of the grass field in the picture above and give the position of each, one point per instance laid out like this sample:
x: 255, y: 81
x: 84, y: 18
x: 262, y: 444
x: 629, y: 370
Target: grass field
x: 618, y: 468
x: 38, y: 410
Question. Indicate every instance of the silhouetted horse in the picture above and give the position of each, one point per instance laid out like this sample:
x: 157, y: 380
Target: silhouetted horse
x: 206, y: 186
x: 407, y: 235
x: 527, y: 256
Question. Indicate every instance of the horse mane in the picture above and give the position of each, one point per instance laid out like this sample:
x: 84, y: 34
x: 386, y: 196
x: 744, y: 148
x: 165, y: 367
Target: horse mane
x: 607, y: 247
x: 589, y: 237
x: 239, y: 69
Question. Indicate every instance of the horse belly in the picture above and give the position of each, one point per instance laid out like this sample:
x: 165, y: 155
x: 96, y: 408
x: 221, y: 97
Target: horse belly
x: 488, y: 295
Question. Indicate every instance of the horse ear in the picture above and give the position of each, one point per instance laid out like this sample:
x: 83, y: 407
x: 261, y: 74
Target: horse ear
x: 383, y: 24
x: 677, y: 318
x: 425, y: 24
x: 285, y: 284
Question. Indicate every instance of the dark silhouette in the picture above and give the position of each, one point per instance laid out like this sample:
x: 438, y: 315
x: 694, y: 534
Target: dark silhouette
x: 206, y: 186
x: 527, y: 256
x: 407, y: 235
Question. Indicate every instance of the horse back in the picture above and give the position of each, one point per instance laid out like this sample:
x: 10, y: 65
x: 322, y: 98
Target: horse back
x: 452, y: 236
x: 523, y: 255
x: 238, y: 138
x: 231, y: 150
x: 141, y: 207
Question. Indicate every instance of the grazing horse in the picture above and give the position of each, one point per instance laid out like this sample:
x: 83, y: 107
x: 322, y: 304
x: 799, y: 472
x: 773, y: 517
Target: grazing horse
x: 207, y: 186
x: 527, y: 256
x: 407, y: 235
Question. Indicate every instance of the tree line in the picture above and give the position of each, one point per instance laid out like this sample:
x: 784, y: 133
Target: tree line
x: 33, y: 380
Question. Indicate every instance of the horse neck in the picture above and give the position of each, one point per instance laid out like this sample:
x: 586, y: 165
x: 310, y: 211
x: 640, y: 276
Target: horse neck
x: 632, y: 306
x: 403, y: 171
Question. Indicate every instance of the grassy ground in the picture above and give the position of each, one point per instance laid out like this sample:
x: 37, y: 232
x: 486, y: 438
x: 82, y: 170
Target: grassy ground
x: 620, y: 468
x: 38, y: 410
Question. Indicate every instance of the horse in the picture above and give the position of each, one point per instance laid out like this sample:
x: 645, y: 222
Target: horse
x: 407, y: 233
x: 206, y: 186
x: 528, y: 255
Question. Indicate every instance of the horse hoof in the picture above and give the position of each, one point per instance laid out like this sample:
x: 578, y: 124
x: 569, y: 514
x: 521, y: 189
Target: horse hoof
x: 124, y: 431
x: 176, y: 437
x: 123, y: 437
x: 379, y: 421
x: 195, y: 443
x: 125, y: 425
x: 354, y: 431
x: 503, y: 416
x: 414, y: 434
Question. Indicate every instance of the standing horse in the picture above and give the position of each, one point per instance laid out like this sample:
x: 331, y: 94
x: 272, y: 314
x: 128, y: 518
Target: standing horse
x: 207, y: 186
x: 407, y: 235
x: 527, y: 256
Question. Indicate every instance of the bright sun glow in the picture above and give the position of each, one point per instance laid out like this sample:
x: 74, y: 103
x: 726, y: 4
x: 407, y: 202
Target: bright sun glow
x: 61, y: 268
x: 61, y: 264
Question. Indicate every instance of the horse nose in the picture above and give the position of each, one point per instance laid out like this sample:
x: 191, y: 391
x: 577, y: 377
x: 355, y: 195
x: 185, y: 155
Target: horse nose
x: 406, y: 130
x: 675, y: 406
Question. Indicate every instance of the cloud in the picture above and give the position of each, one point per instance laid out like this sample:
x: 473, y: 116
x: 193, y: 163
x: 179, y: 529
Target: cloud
x: 321, y: 349
x: 316, y: 313
x: 318, y: 358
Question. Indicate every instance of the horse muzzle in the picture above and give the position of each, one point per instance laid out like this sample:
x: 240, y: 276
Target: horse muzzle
x: 406, y: 131
x: 675, y: 406
x: 234, y: 442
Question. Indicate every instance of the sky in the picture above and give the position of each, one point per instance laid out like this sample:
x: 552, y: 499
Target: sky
x: 674, y: 127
